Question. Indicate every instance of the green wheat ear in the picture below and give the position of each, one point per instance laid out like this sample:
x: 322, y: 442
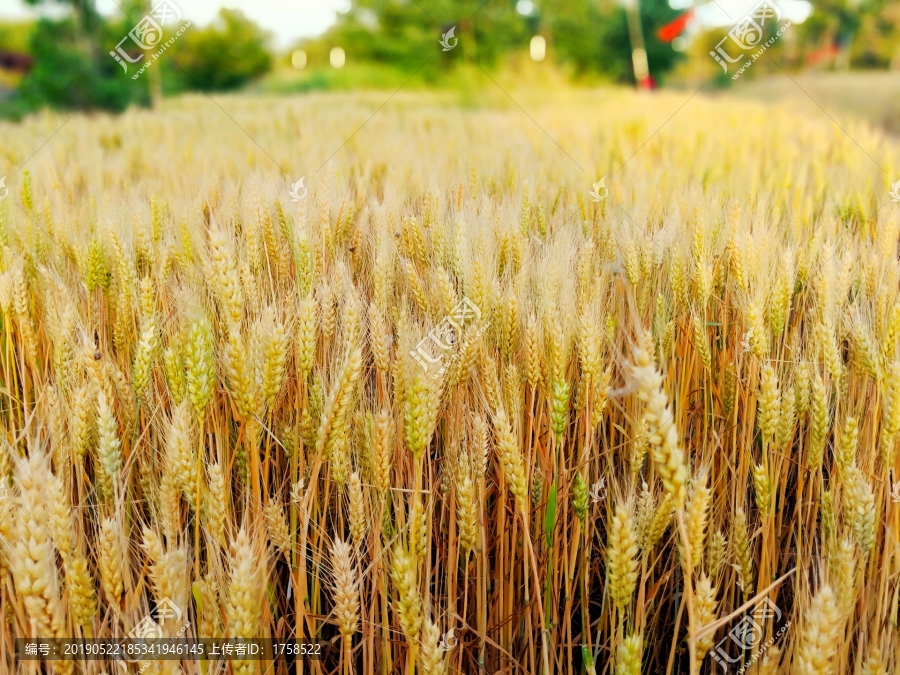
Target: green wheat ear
x: 587, y: 657
x: 550, y: 516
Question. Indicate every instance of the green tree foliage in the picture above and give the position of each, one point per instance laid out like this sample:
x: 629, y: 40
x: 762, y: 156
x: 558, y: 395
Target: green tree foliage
x: 73, y: 69
x: 590, y: 35
x: 225, y: 55
x: 69, y: 73
x: 593, y: 37
x: 405, y: 34
x: 842, y: 22
x: 15, y: 36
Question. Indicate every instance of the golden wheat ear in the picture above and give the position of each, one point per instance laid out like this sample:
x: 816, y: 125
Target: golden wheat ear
x: 345, y: 587
x: 622, y: 556
x: 818, y: 641
x: 629, y: 655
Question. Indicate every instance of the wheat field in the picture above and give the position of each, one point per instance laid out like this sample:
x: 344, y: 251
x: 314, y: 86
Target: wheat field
x: 661, y: 437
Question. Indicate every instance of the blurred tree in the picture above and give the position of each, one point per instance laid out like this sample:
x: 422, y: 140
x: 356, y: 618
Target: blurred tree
x: 88, y: 20
x: 15, y: 36
x: 68, y: 73
x: 406, y: 34
x: 71, y: 67
x: 584, y: 35
x: 837, y: 23
x: 591, y: 35
x: 225, y: 55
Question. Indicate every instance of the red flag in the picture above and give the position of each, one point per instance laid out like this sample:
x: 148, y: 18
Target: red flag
x: 674, y: 28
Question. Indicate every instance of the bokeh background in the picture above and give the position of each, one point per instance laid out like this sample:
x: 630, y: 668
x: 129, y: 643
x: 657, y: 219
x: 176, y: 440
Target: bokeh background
x: 841, y: 54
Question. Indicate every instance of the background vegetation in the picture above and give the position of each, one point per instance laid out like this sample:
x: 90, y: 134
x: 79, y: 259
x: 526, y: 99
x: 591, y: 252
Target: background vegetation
x: 387, y: 42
